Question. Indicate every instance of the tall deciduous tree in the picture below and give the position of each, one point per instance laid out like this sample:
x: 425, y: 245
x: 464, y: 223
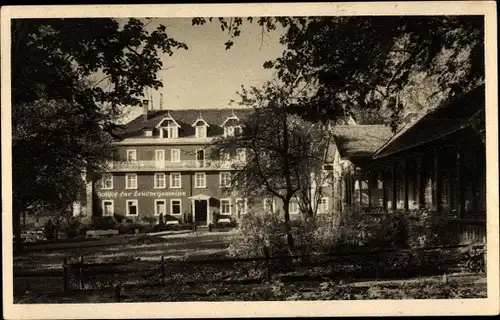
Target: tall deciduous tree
x: 368, y: 62
x: 70, y: 80
x: 281, y: 150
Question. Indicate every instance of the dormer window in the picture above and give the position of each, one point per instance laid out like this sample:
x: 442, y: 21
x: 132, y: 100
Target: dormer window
x: 232, y: 126
x: 148, y: 133
x: 200, y: 126
x: 169, y: 128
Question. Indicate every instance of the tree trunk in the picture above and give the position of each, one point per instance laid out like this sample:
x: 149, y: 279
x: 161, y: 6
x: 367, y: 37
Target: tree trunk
x: 288, y: 231
x: 286, y: 203
x: 16, y: 219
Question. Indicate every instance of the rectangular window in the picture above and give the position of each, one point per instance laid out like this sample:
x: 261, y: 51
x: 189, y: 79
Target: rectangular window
x: 229, y: 131
x: 323, y: 205
x: 200, y: 180
x: 175, y: 180
x: 175, y: 206
x: 131, y: 181
x: 160, y: 155
x: 108, y: 208
x: 200, y: 158
x: 107, y: 181
x: 225, y: 179
x: 132, y: 207
x: 160, y: 207
x: 175, y: 155
x: 240, y: 155
x: 201, y: 131
x: 225, y: 206
x: 293, y: 207
x: 160, y: 181
x: 148, y: 133
x: 131, y: 155
x: 269, y: 204
x: 325, y: 178
x: 171, y: 132
x: 237, y: 131
x: 241, y: 206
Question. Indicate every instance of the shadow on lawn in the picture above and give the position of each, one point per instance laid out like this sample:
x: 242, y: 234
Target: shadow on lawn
x: 143, y: 247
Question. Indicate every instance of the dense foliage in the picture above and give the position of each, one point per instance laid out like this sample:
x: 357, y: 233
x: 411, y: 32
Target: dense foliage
x: 70, y: 80
x: 363, y: 63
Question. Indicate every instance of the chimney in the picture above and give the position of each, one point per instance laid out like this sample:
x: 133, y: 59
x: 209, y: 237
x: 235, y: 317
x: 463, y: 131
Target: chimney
x: 145, y: 110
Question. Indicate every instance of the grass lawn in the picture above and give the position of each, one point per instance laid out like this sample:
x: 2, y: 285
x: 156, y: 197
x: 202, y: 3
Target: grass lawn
x: 38, y: 275
x: 40, y: 271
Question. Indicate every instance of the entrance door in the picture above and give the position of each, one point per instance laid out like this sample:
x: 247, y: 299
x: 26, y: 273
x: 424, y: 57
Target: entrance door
x: 160, y: 159
x: 200, y: 209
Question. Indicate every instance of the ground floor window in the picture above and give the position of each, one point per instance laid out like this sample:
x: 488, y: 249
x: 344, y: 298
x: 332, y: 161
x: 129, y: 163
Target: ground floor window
x: 160, y: 207
x: 225, y: 206
x: 107, y: 208
x: 132, y: 207
x: 175, y: 206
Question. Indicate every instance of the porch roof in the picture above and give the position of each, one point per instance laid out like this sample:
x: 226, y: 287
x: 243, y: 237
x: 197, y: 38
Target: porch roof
x: 358, y: 142
x: 437, y: 124
x: 199, y: 197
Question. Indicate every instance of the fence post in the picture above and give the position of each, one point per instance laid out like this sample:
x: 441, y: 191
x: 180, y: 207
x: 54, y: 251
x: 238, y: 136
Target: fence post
x: 80, y: 272
x: 162, y: 266
x: 445, y: 278
x: 268, y: 263
x: 65, y: 275
x: 118, y: 293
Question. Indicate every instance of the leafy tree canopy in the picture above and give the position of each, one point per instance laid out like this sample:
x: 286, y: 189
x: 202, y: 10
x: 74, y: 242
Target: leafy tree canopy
x: 58, y: 58
x: 371, y: 62
x: 70, y: 80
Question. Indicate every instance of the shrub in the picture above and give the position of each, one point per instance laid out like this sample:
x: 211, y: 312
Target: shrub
x: 119, y: 217
x: 472, y: 260
x: 103, y: 223
x: 150, y: 220
x: 316, y: 234
x: 49, y: 230
x: 72, y: 228
x: 257, y: 229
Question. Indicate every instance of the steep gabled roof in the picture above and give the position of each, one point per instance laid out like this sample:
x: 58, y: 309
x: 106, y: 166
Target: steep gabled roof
x: 184, y: 117
x: 439, y: 123
x: 359, y: 142
x: 167, y: 117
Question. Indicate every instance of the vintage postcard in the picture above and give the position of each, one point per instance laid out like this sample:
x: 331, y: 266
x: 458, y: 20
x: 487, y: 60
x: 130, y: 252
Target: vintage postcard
x: 250, y: 160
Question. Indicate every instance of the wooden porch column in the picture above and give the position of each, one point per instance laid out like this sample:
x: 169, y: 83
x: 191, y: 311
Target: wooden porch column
x: 369, y: 192
x: 459, y: 189
x: 360, y: 184
x: 384, y: 188
x: 405, y: 183
x: 394, y: 187
x: 419, y: 187
x: 436, y: 197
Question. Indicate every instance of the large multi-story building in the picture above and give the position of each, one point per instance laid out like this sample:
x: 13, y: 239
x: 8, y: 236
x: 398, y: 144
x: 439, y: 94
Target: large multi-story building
x: 166, y: 168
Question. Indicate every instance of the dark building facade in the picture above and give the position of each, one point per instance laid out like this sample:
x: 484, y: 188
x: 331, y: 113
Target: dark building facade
x: 167, y: 168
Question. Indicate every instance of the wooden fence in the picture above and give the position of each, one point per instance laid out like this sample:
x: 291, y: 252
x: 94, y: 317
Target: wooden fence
x: 162, y: 272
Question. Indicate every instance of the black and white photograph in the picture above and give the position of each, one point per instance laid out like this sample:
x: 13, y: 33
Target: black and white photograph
x: 250, y: 154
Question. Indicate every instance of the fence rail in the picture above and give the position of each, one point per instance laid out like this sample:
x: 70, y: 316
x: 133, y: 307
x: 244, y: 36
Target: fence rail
x: 160, y: 272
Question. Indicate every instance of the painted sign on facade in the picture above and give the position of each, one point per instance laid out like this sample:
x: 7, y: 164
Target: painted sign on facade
x: 128, y: 194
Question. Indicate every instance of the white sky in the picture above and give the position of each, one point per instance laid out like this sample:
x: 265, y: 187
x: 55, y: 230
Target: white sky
x: 207, y: 75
